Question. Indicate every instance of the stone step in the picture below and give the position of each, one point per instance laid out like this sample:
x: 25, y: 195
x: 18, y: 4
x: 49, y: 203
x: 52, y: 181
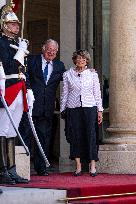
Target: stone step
x: 16, y: 195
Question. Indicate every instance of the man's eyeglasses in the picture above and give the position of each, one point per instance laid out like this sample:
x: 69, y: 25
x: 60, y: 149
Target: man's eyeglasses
x: 51, y: 51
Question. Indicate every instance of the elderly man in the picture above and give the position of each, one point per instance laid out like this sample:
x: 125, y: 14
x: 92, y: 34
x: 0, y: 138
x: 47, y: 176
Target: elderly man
x: 13, y: 88
x: 45, y: 74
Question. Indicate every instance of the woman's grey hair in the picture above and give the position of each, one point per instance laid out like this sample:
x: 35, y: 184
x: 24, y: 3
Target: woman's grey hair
x: 82, y: 53
x: 45, y: 44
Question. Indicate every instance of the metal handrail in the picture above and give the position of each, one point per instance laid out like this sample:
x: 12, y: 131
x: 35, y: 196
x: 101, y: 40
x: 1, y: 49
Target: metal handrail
x: 95, y: 197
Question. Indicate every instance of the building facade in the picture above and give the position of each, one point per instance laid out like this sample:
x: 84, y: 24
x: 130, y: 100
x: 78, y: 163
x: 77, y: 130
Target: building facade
x: 107, y: 29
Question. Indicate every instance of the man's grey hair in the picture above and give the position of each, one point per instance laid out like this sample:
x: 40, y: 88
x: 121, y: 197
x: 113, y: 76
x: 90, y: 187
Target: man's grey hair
x: 48, y: 42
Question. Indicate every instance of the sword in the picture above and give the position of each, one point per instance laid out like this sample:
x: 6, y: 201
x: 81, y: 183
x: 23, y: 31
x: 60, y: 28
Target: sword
x: 13, y: 123
x: 37, y: 140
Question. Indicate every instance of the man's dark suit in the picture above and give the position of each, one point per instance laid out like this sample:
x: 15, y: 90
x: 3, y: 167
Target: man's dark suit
x: 44, y: 104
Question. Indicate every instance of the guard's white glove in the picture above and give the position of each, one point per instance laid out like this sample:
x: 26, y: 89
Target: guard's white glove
x: 30, y: 100
x: 22, y: 50
x: 2, y: 87
x: 23, y: 44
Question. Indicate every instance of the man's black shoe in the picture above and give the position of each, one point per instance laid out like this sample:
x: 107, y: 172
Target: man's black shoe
x: 43, y: 173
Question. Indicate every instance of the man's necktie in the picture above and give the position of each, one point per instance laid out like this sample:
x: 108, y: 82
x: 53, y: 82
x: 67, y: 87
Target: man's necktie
x: 45, y: 72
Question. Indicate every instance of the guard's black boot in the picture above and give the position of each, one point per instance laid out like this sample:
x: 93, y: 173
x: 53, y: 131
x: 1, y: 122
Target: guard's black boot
x: 6, y: 179
x: 13, y: 174
x: 4, y: 176
x: 11, y: 162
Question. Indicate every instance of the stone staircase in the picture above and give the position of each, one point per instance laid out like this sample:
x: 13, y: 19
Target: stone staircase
x: 16, y: 195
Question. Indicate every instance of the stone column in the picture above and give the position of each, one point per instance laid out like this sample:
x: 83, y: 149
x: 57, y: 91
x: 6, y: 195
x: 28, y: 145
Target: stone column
x: 84, y: 23
x: 67, y: 47
x: 123, y: 71
x: 97, y: 38
x: 87, y: 26
x: 119, y: 155
x: 90, y: 29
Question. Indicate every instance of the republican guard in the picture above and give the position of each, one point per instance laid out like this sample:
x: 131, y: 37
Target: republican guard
x: 14, y: 87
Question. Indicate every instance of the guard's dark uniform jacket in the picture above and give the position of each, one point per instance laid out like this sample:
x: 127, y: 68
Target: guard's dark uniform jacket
x: 10, y: 65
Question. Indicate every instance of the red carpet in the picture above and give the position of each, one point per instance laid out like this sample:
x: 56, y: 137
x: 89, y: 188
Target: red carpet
x: 88, y: 186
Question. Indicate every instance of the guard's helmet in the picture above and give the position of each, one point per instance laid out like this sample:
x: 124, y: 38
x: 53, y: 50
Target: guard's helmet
x: 7, y: 16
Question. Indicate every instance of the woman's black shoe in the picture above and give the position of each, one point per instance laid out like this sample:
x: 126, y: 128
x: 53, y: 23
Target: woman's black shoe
x: 77, y: 173
x: 93, y: 174
x: 43, y: 173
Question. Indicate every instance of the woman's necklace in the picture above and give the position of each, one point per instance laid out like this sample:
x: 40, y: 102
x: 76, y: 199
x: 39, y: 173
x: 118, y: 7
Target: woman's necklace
x: 79, y: 70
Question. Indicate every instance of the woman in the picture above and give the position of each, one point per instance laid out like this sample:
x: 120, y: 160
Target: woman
x: 81, y: 97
